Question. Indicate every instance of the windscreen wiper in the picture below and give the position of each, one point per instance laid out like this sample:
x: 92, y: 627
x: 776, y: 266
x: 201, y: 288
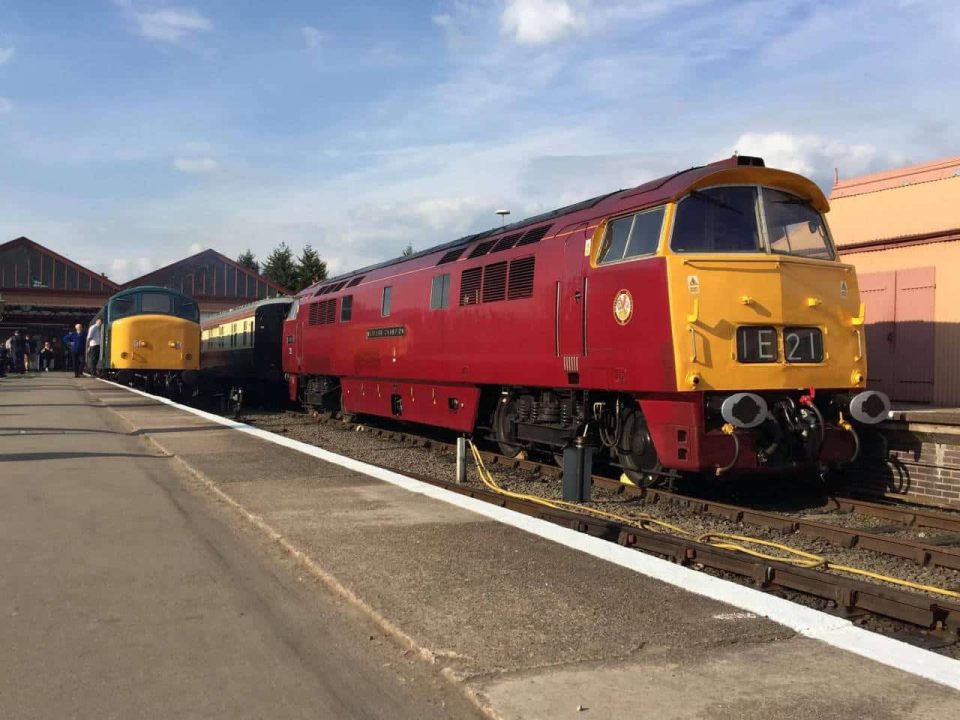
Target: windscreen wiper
x: 794, y: 201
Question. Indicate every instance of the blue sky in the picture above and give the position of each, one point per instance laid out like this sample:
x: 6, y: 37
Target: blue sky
x: 134, y: 132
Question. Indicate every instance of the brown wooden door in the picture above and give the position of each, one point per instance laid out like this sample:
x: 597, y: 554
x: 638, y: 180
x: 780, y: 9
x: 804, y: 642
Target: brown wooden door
x: 914, y: 334
x: 900, y: 332
x: 878, y: 292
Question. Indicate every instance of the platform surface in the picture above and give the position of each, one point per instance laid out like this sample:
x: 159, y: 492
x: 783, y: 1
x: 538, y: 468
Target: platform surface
x: 108, y: 583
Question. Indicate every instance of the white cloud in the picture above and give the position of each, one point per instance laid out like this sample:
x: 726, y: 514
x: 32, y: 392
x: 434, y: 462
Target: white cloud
x: 5, y: 106
x: 813, y: 155
x: 195, y: 248
x: 196, y: 165
x: 6, y: 55
x: 537, y: 22
x: 170, y: 24
x: 311, y: 36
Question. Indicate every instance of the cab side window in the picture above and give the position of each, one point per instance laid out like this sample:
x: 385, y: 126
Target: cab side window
x: 385, y: 302
x: 632, y: 236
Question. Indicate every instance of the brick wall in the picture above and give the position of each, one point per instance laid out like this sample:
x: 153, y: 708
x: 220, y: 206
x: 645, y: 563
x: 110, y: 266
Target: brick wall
x: 916, y: 462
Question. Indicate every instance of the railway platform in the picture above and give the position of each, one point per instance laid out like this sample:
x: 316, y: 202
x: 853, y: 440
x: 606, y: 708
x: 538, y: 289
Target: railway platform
x: 528, y: 627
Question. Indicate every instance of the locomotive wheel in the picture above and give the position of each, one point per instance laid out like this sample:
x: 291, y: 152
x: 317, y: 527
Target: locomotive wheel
x: 503, y: 419
x: 636, y: 453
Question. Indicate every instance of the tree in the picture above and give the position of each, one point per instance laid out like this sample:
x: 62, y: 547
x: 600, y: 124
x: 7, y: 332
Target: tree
x: 281, y: 268
x: 248, y: 260
x: 408, y: 250
x: 310, y: 268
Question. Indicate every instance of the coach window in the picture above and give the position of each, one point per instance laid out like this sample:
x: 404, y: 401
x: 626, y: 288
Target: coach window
x: 385, y: 303
x: 440, y: 292
x: 632, y: 236
x: 346, y: 308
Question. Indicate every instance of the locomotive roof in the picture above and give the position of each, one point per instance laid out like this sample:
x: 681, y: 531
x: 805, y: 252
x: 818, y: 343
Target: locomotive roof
x: 650, y: 193
x: 243, y: 310
x: 147, y: 288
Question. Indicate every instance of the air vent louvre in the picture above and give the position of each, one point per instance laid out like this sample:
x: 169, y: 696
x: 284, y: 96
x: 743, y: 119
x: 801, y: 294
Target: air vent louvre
x: 505, y: 243
x: 521, y: 278
x: 470, y: 286
x: 328, y: 311
x: 314, y: 314
x: 450, y: 256
x: 495, y: 282
x: 533, y: 236
x: 355, y: 281
x: 482, y: 249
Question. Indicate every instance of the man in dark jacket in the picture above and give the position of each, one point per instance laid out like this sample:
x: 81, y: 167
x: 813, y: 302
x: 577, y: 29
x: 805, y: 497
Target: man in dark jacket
x: 75, y: 341
x: 19, y: 349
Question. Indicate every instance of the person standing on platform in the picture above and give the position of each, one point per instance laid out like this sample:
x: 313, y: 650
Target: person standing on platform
x: 46, y: 357
x: 28, y: 351
x: 74, y: 342
x: 18, y: 348
x: 94, y: 338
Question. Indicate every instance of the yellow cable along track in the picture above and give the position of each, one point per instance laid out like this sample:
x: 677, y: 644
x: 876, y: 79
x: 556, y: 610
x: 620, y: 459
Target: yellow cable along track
x: 724, y: 541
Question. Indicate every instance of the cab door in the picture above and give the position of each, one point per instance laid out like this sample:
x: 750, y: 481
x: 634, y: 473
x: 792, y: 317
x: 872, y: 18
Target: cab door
x: 572, y: 300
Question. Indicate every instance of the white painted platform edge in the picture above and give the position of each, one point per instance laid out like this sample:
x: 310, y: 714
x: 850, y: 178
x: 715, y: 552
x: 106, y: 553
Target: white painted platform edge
x: 837, y: 632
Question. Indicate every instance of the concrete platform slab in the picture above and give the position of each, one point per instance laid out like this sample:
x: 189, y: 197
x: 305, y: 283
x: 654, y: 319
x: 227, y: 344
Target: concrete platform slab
x: 124, y: 593
x: 528, y: 624
x: 535, y: 628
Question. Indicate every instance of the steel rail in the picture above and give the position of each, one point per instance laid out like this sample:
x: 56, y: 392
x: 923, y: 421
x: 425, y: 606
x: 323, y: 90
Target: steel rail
x: 922, y: 553
x: 903, y: 514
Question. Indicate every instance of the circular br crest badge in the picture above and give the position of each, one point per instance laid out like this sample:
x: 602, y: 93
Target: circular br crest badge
x: 623, y: 307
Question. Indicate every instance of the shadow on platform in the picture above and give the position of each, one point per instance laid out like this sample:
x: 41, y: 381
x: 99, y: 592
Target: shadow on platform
x: 72, y: 455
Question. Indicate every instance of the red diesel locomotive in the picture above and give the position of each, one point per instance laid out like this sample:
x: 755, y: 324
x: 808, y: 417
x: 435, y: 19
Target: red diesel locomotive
x: 698, y: 322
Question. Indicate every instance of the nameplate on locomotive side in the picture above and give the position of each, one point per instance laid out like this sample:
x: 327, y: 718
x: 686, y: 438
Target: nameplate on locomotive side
x: 398, y: 331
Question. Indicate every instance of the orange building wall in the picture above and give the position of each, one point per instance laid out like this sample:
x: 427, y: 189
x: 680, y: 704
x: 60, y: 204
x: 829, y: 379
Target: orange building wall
x: 897, y: 212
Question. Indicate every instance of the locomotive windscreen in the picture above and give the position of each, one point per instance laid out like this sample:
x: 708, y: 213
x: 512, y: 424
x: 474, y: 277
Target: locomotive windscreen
x: 749, y: 219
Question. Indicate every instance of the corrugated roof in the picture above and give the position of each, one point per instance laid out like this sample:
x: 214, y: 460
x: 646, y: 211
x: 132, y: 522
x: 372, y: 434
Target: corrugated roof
x: 898, y: 177
x: 209, y: 252
x: 912, y: 201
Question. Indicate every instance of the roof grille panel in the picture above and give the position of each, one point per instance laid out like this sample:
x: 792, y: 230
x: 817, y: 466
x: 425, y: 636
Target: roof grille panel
x: 450, y: 256
x: 521, y: 278
x: 534, y: 236
x: 355, y: 281
x: 505, y: 243
x: 495, y: 282
x: 482, y: 249
x: 470, y: 286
